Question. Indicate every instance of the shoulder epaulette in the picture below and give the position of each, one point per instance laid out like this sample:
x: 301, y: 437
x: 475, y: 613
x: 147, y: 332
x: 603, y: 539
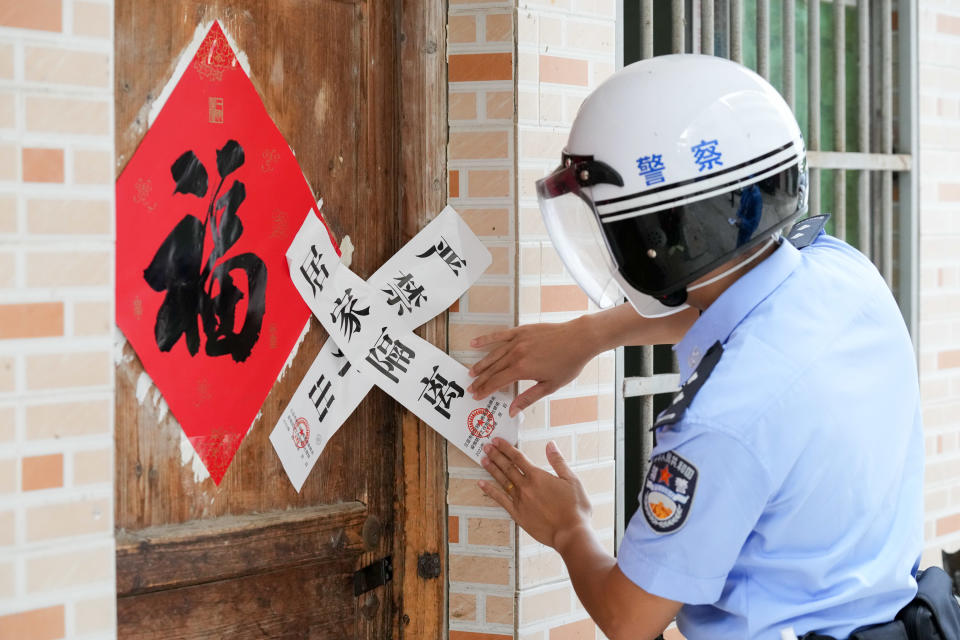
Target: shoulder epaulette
x: 684, y: 397
x: 806, y: 231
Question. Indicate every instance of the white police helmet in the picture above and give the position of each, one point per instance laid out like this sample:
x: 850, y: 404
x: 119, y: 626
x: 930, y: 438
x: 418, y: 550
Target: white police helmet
x: 674, y: 166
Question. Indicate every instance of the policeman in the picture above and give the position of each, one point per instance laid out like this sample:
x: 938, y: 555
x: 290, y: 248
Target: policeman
x: 784, y: 490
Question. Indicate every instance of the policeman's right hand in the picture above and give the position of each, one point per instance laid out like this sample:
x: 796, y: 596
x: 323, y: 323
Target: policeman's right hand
x: 552, y: 354
x: 548, y: 506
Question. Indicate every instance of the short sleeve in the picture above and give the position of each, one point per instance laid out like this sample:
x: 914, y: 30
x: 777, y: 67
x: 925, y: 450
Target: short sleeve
x: 700, y: 500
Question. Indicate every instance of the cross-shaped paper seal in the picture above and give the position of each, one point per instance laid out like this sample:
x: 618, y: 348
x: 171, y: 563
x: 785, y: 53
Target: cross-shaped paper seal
x: 371, y: 342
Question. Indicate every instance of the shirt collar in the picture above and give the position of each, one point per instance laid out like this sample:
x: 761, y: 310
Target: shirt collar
x: 733, y: 305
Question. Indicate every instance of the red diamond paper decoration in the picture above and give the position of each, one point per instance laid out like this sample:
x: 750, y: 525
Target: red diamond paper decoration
x: 206, y: 209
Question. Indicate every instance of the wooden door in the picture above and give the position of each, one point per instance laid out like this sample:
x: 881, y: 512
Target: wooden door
x: 358, y: 90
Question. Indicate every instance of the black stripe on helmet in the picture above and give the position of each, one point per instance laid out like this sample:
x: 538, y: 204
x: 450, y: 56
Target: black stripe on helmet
x: 689, y: 196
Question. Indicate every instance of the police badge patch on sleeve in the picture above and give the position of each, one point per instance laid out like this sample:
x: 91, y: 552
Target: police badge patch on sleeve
x: 668, y: 492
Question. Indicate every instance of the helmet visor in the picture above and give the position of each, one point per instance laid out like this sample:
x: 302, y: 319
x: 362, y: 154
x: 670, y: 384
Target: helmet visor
x: 570, y: 218
x: 659, y: 252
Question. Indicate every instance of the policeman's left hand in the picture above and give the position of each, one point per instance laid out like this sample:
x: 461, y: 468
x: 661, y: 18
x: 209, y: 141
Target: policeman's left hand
x: 550, y: 353
x: 548, y: 507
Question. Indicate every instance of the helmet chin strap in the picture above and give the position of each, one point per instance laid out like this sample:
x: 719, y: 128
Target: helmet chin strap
x: 679, y: 297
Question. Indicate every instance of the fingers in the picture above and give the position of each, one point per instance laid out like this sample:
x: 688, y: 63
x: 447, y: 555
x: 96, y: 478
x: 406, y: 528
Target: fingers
x: 497, y: 474
x: 497, y: 377
x: 491, y: 338
x: 530, y: 396
x: 495, y: 457
x: 513, y: 455
x: 487, y: 367
x: 489, y: 359
x: 555, y: 458
x: 499, y: 496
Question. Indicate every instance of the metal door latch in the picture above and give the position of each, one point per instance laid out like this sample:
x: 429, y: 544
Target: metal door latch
x: 373, y: 576
x: 428, y: 566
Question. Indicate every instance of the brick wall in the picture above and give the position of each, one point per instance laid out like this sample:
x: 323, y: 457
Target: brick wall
x: 518, y: 73
x: 512, y: 98
x: 56, y: 275
x: 482, y: 187
x: 565, y: 49
x: 939, y: 60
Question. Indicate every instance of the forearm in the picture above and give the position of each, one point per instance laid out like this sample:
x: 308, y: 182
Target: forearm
x: 620, y: 608
x: 555, y: 510
x: 589, y: 566
x: 622, y: 325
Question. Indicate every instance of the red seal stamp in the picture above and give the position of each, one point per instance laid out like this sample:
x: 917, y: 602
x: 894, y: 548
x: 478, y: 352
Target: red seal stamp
x: 301, y: 433
x: 480, y: 422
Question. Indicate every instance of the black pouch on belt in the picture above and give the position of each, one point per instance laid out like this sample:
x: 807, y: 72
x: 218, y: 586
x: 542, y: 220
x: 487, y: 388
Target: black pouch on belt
x: 933, y: 614
x: 887, y: 631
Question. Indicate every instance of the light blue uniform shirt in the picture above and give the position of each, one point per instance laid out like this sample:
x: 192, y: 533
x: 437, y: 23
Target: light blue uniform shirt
x: 807, y: 455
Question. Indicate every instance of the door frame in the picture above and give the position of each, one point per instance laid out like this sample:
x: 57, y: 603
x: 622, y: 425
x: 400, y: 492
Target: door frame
x: 420, y: 536
x: 422, y: 540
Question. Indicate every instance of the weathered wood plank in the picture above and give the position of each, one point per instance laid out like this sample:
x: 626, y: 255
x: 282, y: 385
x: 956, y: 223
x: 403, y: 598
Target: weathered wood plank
x: 292, y: 604
x: 314, y: 92
x: 334, y: 75
x: 373, y: 222
x: 201, y: 551
x: 423, y: 165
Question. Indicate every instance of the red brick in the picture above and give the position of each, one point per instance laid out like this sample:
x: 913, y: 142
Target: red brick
x: 564, y: 411
x: 454, y: 184
x: 581, y: 630
x: 37, y: 624
x: 36, y: 320
x: 948, y: 524
x: 45, y: 15
x: 43, y: 472
x: 43, y: 165
x: 453, y: 529
x: 478, y: 67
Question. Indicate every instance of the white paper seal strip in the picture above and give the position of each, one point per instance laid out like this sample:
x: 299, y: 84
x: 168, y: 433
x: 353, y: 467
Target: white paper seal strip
x: 372, y: 321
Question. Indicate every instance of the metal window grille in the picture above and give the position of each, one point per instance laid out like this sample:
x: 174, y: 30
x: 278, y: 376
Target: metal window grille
x: 848, y: 70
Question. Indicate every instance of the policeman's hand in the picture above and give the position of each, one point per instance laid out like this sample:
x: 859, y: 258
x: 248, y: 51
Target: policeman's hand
x: 548, y: 507
x: 552, y: 354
